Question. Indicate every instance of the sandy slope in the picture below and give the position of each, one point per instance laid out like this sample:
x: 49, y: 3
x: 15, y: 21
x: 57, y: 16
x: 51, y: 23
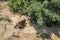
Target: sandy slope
x: 5, y: 33
x: 28, y: 33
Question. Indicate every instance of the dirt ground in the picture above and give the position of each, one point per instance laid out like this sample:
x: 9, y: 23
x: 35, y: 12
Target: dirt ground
x: 28, y: 33
x: 6, y: 34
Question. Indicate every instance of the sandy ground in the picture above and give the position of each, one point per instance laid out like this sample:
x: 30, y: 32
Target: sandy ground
x: 6, y: 34
x: 28, y: 33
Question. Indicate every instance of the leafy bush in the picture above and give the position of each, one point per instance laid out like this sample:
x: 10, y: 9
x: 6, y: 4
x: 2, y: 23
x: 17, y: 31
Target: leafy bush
x: 53, y: 11
x: 40, y: 11
x: 18, y: 5
x: 34, y: 11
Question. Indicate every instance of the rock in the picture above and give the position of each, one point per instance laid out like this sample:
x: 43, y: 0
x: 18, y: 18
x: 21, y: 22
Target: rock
x: 54, y: 36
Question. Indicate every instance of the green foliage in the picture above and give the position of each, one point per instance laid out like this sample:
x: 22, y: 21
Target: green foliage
x: 40, y: 11
x: 51, y: 12
x: 34, y: 11
x: 18, y: 5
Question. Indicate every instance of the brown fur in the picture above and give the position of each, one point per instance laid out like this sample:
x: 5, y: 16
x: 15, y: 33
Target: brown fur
x: 20, y: 24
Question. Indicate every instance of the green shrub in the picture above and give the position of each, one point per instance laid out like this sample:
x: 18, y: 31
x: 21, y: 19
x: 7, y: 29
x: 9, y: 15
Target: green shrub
x: 40, y: 11
x: 34, y: 11
x: 18, y: 5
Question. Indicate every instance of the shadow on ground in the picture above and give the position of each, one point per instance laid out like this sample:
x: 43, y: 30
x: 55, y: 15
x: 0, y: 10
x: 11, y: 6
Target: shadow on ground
x: 45, y: 32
